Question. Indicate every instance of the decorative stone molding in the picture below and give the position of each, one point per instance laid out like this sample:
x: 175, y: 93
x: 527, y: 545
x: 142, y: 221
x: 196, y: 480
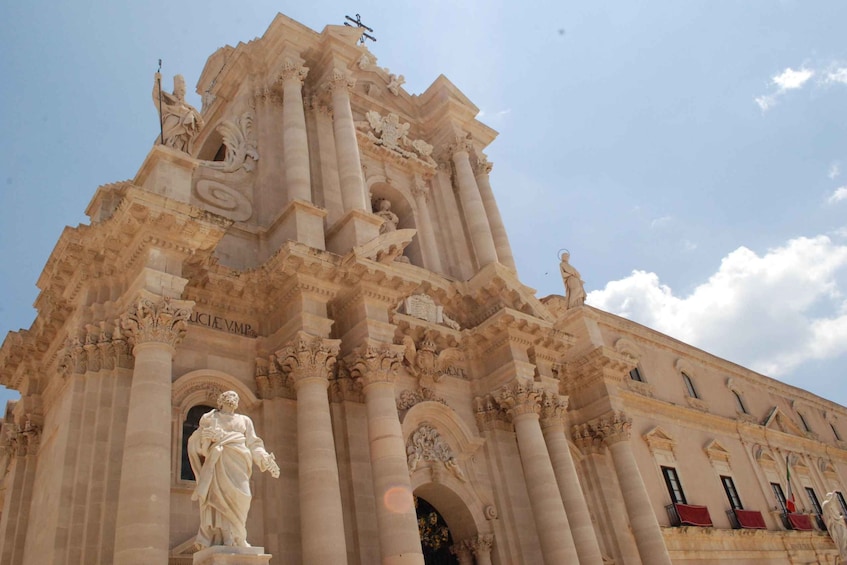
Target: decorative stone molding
x: 483, y: 166
x: 308, y: 357
x: 375, y: 362
x: 697, y: 403
x: 763, y: 457
x: 343, y: 387
x: 490, y: 512
x: 426, y: 444
x: 613, y: 427
x: 642, y: 388
x: 627, y: 347
x: 160, y: 321
x: 424, y: 361
x: 240, y: 141
x: 659, y: 440
x: 716, y: 452
x: 389, y: 132
x: 462, y: 144
x: 587, y: 439
x: 520, y: 397
x: 423, y: 307
x: 270, y: 381
x: 482, y: 543
x: 394, y: 83
x: 98, y: 350
x: 20, y: 440
x: 292, y: 70
x: 410, y: 398
x: 340, y: 79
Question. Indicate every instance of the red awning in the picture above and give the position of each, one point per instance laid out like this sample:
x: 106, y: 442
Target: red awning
x: 800, y: 521
x: 750, y: 519
x: 691, y: 515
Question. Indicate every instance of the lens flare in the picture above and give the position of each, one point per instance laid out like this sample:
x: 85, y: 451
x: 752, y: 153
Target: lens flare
x: 398, y: 500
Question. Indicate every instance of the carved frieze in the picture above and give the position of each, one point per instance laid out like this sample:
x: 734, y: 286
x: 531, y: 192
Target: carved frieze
x: 157, y: 320
x: 426, y: 444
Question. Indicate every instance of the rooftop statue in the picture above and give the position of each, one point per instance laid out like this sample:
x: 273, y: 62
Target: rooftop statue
x: 181, y: 122
x: 574, y: 285
x: 222, y: 451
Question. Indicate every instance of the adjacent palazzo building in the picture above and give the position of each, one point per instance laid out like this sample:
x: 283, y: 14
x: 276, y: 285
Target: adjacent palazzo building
x: 328, y: 245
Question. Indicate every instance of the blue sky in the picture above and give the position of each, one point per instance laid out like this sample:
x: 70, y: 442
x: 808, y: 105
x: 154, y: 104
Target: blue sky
x: 692, y: 156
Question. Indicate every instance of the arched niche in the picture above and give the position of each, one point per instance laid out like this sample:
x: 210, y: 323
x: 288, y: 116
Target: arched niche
x: 203, y: 387
x: 463, y: 519
x: 405, y: 210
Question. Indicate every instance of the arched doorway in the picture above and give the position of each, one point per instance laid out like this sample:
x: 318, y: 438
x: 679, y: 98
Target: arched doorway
x: 436, y: 539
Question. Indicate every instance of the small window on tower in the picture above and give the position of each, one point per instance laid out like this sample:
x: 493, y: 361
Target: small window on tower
x: 635, y: 375
x: 689, y: 386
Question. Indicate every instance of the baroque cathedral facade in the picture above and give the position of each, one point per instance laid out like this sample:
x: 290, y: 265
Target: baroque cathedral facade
x: 328, y: 246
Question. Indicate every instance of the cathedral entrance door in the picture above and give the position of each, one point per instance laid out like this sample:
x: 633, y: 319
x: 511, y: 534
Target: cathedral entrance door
x: 436, y: 539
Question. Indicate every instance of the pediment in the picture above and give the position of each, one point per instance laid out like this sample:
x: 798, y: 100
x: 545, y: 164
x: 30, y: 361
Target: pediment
x: 777, y: 420
x: 716, y: 452
x: 659, y: 439
x: 763, y: 456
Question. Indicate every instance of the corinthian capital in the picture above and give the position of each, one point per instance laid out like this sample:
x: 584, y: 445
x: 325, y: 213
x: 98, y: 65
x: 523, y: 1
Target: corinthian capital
x: 481, y: 544
x: 160, y: 320
x: 292, y: 70
x: 483, y: 166
x: 520, y: 397
x: 375, y: 362
x: 614, y: 427
x: 308, y: 357
x: 340, y: 79
x: 553, y: 408
x: 463, y: 144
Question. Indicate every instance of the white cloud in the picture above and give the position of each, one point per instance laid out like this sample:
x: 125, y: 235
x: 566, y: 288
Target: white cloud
x: 761, y: 311
x: 838, y: 195
x: 661, y: 222
x: 834, y: 170
x: 787, y: 80
x: 837, y: 75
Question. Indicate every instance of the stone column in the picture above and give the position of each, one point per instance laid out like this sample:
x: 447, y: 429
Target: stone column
x: 480, y: 230
x: 498, y: 230
x: 615, y: 430
x: 426, y: 231
x: 308, y: 361
x: 553, y: 409
x: 295, y: 143
x: 521, y: 400
x: 375, y: 364
x: 18, y: 455
x: 481, y: 547
x: 143, y: 521
x: 346, y: 144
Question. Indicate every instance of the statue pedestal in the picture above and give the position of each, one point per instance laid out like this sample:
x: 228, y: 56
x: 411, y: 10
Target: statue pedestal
x: 226, y: 555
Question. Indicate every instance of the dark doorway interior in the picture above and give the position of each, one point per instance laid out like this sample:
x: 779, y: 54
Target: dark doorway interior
x: 436, y: 539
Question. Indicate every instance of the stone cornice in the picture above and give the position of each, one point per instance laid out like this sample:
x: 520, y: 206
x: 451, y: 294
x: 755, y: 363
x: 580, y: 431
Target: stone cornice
x: 600, y: 364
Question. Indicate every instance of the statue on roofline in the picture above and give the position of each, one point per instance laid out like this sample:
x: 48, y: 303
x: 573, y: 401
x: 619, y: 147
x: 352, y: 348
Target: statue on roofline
x: 181, y: 122
x: 574, y: 285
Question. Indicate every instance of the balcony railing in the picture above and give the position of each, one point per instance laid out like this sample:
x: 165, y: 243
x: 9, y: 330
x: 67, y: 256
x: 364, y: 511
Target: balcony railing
x: 797, y: 521
x: 689, y: 515
x: 746, y: 519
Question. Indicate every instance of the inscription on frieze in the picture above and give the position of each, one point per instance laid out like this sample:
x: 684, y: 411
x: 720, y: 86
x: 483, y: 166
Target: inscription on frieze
x: 221, y: 323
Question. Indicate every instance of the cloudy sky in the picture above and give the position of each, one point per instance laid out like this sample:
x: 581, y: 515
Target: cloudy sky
x: 692, y: 156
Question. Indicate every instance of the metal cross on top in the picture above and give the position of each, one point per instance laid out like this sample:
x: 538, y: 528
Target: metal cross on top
x: 359, y: 24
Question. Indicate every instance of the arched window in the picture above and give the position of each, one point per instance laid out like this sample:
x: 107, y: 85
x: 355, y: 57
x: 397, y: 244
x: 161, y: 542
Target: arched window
x: 804, y: 422
x: 689, y: 386
x: 835, y: 431
x: 740, y: 403
x: 191, y: 423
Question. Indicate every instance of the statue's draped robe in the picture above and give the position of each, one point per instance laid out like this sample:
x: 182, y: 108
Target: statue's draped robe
x: 223, y: 468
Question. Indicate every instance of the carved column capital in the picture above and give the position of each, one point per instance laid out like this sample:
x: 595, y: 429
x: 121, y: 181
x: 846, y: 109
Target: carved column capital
x: 21, y: 440
x: 420, y: 189
x: 463, y: 144
x: 157, y: 320
x: 293, y: 71
x: 488, y: 414
x: 586, y: 438
x: 519, y: 397
x: 481, y: 544
x: 483, y: 166
x: 308, y: 357
x: 340, y: 80
x: 553, y: 409
x: 614, y: 427
x: 375, y: 362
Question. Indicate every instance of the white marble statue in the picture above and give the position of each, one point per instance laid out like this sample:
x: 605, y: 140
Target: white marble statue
x: 391, y: 219
x: 835, y: 524
x: 181, y: 122
x: 573, y: 282
x: 222, y: 451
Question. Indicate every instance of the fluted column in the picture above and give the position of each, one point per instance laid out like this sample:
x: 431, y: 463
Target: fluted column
x: 521, y: 400
x: 426, y: 231
x: 346, y: 144
x: 375, y: 364
x: 481, y: 547
x: 480, y: 230
x: 308, y: 361
x: 615, y: 431
x: 553, y: 409
x: 495, y: 220
x: 295, y: 142
x: 143, y: 521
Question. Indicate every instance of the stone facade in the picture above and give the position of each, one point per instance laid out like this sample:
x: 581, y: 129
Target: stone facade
x: 383, y: 351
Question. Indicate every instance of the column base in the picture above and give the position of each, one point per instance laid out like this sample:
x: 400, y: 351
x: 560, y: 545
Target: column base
x: 355, y: 228
x: 226, y: 555
x: 301, y: 221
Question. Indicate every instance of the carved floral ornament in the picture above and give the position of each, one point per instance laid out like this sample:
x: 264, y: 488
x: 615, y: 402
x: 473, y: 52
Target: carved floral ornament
x: 308, y: 357
x: 160, y: 320
x: 375, y: 362
x: 240, y: 141
x: 609, y: 429
x: 426, y: 444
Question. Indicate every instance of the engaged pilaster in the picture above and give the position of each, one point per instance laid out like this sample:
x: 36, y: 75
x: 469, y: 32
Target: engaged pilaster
x: 376, y: 364
x: 521, y: 399
x: 615, y: 430
x: 142, y: 536
x: 495, y: 220
x: 308, y: 362
x: 475, y: 213
x: 553, y: 411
